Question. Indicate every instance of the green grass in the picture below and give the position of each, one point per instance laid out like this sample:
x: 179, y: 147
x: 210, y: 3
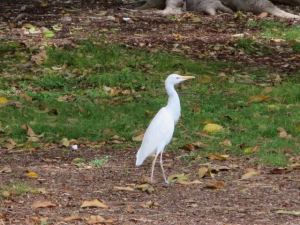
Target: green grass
x: 278, y: 30
x: 72, y: 102
x: 16, y: 188
x: 99, y: 162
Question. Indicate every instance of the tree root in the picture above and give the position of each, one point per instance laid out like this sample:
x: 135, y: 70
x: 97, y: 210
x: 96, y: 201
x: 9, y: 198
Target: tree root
x: 229, y: 6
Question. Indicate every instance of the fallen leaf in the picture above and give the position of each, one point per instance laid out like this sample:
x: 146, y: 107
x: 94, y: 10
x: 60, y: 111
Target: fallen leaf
x: 6, y: 169
x: 45, y: 204
x: 259, y: 98
x: 3, y: 100
x: 138, y: 138
x: 295, y: 213
x: 280, y: 170
x: 178, y: 177
x: 212, y: 128
x: 129, y: 209
x: 48, y: 34
x: 151, y: 204
x: 32, y: 175
x: 226, y: 143
x: 95, y: 219
x: 184, y: 182
x: 273, y: 107
x: 189, y: 147
x: 93, y: 203
x: 199, y: 144
x: 29, y: 130
x: 72, y: 218
x: 6, y: 194
x: 9, y: 143
x: 42, y: 191
x: 144, y: 187
x: 40, y: 57
x: 202, y: 172
x: 64, y: 142
x: 215, y: 156
x: 123, y: 188
x: 78, y: 160
x: 249, y: 175
x: 283, y: 134
x: 204, y: 135
x: 205, y: 79
x: 263, y: 15
x: 268, y: 89
x: 215, y: 185
x: 252, y: 150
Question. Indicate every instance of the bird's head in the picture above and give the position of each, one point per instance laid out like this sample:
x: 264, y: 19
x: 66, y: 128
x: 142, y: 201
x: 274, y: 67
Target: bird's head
x: 174, y: 79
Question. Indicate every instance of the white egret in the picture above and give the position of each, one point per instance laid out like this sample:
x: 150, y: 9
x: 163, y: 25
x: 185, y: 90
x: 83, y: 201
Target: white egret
x: 160, y: 131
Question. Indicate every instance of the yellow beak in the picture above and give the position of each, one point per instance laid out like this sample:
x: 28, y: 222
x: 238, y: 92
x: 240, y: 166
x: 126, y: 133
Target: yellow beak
x: 187, y: 77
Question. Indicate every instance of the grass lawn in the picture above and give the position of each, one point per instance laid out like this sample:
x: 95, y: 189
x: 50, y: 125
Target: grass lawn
x: 95, y: 91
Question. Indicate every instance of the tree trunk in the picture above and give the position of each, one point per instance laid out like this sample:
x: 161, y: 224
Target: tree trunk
x: 211, y: 6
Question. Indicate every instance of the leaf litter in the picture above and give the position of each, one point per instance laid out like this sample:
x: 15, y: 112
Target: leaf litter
x: 60, y: 169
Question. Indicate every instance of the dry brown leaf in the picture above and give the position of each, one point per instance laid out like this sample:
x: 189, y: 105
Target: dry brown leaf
x: 45, y: 204
x: 184, y: 182
x: 283, y: 134
x: 38, y: 58
x: 138, y: 138
x: 95, y: 220
x: 249, y: 175
x: 189, y: 147
x: 215, y: 156
x: 123, y: 188
x: 72, y: 218
x: 6, y: 194
x: 268, y: 89
x: 26, y: 97
x: 200, y: 134
x: 9, y: 144
x: 259, y: 98
x: 6, y: 169
x: 280, y: 170
x: 152, y: 204
x: 64, y: 142
x: 144, y: 187
x: 263, y: 15
x: 129, y: 209
x: 226, y: 143
x: 202, y: 172
x: 93, y: 203
x: 29, y: 130
x: 178, y: 177
x: 215, y: 185
x: 199, y: 144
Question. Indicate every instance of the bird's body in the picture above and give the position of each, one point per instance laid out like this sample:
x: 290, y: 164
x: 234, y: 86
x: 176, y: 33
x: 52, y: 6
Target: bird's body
x: 161, y: 129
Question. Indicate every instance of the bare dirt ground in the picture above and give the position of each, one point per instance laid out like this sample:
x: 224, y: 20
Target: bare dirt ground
x: 66, y: 186
x: 251, y: 201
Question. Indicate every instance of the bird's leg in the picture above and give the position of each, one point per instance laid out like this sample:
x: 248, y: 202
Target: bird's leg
x: 153, y: 165
x: 162, y: 168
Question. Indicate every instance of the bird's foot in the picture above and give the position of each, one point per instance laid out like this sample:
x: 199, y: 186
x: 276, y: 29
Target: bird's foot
x: 169, y: 183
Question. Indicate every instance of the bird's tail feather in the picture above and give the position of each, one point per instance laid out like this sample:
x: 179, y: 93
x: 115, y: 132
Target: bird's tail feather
x: 140, y: 158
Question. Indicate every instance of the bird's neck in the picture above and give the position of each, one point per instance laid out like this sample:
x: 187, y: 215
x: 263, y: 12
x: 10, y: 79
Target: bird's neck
x: 173, y: 102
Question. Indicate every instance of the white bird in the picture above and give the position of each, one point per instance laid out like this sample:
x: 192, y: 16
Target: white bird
x: 160, y: 131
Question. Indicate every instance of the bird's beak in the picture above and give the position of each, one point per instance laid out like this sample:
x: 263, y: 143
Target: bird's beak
x: 187, y: 77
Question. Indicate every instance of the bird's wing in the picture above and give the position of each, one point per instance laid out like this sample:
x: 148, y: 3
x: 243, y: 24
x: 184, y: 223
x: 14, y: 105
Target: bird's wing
x: 158, y: 135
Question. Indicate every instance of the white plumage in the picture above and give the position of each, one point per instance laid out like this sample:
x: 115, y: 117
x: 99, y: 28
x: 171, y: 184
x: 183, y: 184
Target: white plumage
x: 161, y: 129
